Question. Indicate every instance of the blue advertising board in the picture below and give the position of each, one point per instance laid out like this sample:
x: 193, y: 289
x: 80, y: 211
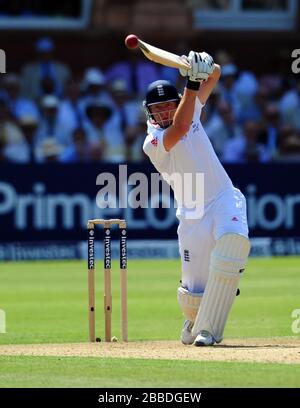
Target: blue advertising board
x: 52, y: 202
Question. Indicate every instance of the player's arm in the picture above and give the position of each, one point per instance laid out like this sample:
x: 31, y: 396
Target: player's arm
x: 182, y: 119
x: 202, y: 69
x: 207, y: 87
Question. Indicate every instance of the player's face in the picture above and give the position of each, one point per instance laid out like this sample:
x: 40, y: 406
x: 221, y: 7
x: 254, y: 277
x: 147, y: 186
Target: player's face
x: 163, y: 113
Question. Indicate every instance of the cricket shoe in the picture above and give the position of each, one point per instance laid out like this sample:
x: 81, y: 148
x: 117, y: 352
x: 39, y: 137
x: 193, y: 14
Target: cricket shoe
x: 204, y: 338
x: 186, y: 334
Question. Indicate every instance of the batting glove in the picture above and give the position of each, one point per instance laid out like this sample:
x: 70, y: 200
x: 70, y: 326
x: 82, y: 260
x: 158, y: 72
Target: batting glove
x: 202, y: 65
x: 209, y: 60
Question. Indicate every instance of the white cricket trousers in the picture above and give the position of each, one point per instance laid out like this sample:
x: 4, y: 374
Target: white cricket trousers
x: 197, y: 238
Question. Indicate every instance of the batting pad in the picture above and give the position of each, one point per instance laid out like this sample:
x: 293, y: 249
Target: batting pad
x: 189, y: 303
x: 227, y: 263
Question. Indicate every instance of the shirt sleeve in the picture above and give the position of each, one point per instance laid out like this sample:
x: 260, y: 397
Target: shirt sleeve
x: 198, y: 107
x: 154, y: 148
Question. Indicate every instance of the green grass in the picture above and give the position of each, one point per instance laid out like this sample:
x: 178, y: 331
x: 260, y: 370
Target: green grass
x: 46, y: 302
x: 102, y: 373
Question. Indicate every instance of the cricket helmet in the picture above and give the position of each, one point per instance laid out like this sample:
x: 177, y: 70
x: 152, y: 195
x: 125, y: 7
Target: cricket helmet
x: 158, y: 92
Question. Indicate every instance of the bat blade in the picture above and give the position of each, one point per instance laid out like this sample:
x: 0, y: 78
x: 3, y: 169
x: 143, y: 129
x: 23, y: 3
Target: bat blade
x: 162, y: 57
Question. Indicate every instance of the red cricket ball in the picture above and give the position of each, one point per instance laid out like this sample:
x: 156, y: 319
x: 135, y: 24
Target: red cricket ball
x: 131, y: 41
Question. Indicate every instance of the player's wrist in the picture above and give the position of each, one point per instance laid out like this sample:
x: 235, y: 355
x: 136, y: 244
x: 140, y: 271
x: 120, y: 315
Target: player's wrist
x: 193, y: 85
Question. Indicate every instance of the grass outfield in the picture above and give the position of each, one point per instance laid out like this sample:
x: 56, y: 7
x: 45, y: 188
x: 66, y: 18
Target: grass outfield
x: 51, y: 372
x: 46, y: 302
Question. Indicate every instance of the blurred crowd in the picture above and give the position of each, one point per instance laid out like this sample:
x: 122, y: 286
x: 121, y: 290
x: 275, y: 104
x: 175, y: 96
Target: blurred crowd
x: 46, y: 114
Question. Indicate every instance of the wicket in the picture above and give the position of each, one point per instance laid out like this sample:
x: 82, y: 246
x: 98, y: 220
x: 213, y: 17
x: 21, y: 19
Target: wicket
x: 107, y: 276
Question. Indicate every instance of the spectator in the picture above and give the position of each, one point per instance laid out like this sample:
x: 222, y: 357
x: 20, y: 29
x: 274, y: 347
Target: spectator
x: 11, y: 137
x: 211, y: 106
x: 93, y: 87
x: 27, y: 150
x: 245, y: 89
x: 69, y: 111
x: 245, y: 148
x: 49, y: 151
x: 18, y: 105
x: 135, y: 137
x: 243, y: 118
x: 289, y: 145
x: 289, y: 107
x: 51, y: 128
x: 228, y: 89
x: 45, y: 75
x: 137, y: 73
x: 123, y: 100
x: 222, y: 127
x: 106, y: 144
x: 128, y: 111
x: 125, y: 107
x: 79, y: 151
x: 256, y: 109
x: 274, y: 85
x: 272, y: 125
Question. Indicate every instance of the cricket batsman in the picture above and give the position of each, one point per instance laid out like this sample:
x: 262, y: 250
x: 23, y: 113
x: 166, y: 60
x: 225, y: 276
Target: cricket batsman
x: 214, y: 247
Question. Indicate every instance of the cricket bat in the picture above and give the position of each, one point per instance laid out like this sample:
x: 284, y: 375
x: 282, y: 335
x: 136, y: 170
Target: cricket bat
x: 157, y: 54
x: 162, y: 57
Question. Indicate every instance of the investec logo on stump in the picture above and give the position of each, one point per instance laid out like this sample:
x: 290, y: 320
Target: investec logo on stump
x: 91, y: 255
x: 107, y: 254
x: 123, y: 250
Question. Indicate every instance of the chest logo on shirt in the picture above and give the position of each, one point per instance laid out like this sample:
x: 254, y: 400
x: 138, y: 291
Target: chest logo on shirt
x: 154, y: 141
x: 195, y: 127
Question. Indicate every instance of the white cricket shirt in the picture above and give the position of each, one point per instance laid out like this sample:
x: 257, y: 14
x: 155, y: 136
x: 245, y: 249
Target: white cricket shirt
x: 192, y: 154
